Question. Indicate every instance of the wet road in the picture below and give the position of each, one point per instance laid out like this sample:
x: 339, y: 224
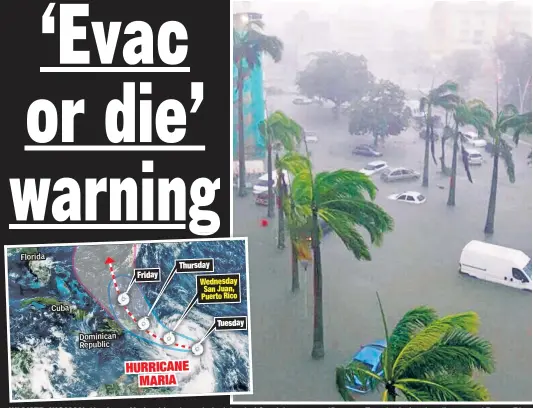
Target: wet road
x: 416, y: 265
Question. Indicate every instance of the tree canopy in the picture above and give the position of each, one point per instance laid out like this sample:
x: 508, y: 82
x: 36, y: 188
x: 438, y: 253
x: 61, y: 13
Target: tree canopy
x: 381, y: 113
x: 336, y: 76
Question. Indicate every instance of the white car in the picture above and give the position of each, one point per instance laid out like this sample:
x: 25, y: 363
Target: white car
x: 473, y: 139
x: 302, y: 101
x: 261, y: 185
x: 311, y: 137
x: 474, y: 157
x: 374, y: 167
x: 411, y: 197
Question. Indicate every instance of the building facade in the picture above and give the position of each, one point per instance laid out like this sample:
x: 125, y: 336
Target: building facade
x: 460, y: 25
x: 253, y: 95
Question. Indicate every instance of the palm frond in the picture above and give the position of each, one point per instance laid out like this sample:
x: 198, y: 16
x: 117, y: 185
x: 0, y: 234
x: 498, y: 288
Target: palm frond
x: 343, y: 225
x: 341, y: 382
x: 519, y: 124
x: 412, y: 394
x: 510, y: 110
x: 443, y: 89
x: 292, y: 162
x: 250, y: 43
x: 432, y: 390
x: 468, y: 321
x: 410, y: 324
x: 360, y: 212
x: 431, y: 335
x: 447, y: 101
x: 302, y: 191
x: 458, y: 352
x: 446, y: 388
x: 339, y: 184
x: 282, y: 131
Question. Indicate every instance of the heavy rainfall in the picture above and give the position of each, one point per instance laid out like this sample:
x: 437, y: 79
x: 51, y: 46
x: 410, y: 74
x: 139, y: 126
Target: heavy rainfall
x: 386, y: 148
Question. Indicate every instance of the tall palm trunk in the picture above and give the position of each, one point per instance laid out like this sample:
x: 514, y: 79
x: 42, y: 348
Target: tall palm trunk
x: 281, y: 215
x: 489, y: 224
x: 453, y: 177
x: 294, y: 254
x: 242, y: 158
x: 294, y: 266
x: 391, y: 395
x: 425, y: 176
x: 270, y: 211
x: 318, y: 323
x: 443, y: 147
x: 443, y: 155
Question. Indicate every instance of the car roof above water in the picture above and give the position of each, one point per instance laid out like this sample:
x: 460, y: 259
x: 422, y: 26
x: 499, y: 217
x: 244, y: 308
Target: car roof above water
x: 376, y: 163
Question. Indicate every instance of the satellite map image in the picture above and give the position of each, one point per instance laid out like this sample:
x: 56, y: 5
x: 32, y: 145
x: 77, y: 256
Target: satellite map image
x: 112, y: 320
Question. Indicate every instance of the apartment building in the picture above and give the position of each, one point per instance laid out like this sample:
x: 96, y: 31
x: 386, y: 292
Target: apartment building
x: 253, y: 93
x: 458, y: 25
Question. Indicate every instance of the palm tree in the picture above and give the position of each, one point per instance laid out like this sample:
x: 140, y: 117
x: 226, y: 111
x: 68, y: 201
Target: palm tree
x: 427, y: 358
x: 344, y: 200
x: 299, y: 236
x: 443, y: 96
x: 472, y: 113
x: 279, y: 131
x: 289, y: 164
x: 507, y: 119
x: 447, y: 132
x: 248, y: 46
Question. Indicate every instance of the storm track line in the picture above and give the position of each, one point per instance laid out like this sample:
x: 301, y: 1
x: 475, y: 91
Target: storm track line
x: 130, y: 314
x: 165, y: 285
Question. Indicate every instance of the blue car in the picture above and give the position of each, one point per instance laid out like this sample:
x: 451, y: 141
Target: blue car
x: 370, y: 356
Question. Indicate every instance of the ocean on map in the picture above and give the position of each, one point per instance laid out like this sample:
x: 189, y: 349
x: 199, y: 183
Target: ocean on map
x: 45, y: 357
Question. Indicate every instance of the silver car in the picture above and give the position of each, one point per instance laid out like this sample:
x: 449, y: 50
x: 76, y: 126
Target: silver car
x: 399, y: 173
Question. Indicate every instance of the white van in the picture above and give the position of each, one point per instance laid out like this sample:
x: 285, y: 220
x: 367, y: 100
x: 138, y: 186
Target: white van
x: 494, y: 263
x: 261, y: 184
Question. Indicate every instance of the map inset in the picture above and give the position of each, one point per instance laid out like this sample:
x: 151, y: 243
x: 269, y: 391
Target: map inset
x: 128, y: 319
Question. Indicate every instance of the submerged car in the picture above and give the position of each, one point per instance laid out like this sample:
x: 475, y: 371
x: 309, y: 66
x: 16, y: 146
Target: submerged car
x: 366, y: 150
x: 302, y: 101
x: 411, y: 197
x: 399, y: 173
x: 374, y: 167
x: 369, y: 356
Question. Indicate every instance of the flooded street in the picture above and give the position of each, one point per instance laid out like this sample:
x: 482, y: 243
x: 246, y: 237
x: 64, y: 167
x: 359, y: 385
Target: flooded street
x: 416, y: 265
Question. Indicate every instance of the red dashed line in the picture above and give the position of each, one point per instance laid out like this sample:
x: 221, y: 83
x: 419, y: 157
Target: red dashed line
x: 115, y: 284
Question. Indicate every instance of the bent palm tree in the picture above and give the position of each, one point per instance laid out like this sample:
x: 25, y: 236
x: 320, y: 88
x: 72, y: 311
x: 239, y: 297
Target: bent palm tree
x: 427, y: 358
x: 447, y: 133
x: 473, y: 113
x: 279, y: 131
x: 289, y: 164
x: 248, y: 46
x: 344, y: 200
x: 507, y: 119
x: 445, y: 97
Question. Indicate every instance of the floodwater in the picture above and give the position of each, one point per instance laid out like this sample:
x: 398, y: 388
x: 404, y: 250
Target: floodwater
x: 416, y: 265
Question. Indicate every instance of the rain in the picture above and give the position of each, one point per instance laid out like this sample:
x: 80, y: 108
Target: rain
x: 352, y: 75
